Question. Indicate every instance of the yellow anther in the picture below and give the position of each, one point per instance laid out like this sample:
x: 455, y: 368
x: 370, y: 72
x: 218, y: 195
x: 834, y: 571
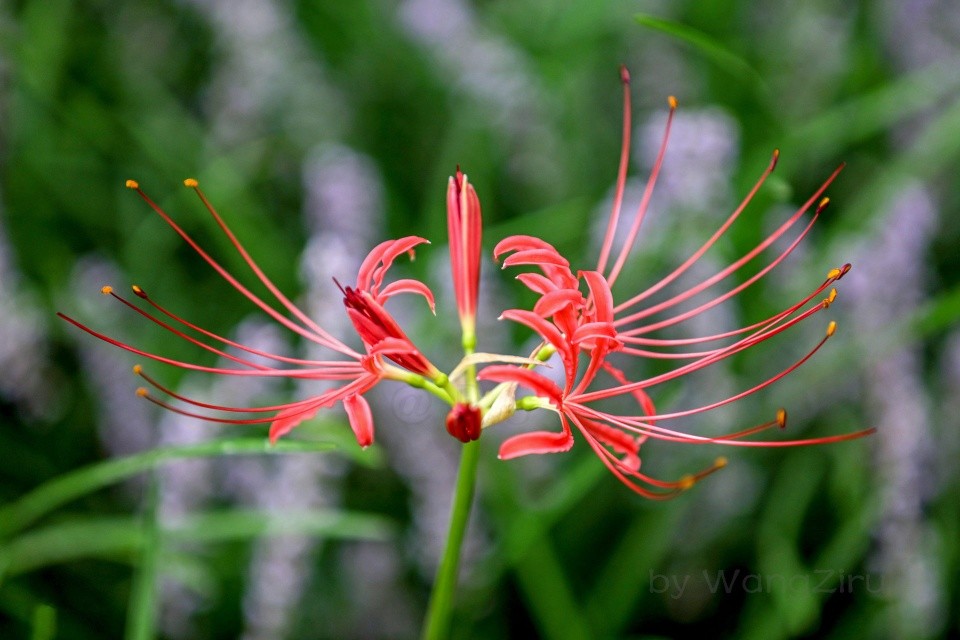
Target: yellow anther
x: 687, y: 481
x: 834, y: 274
x: 831, y: 328
x: 720, y: 462
x: 137, y: 369
x: 106, y: 289
x: 132, y: 184
x: 672, y: 101
x: 138, y: 291
x: 142, y: 392
x: 782, y: 418
x: 191, y: 182
x: 823, y: 204
x: 829, y: 299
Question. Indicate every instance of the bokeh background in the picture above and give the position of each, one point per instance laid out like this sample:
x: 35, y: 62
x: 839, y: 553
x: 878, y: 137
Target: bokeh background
x: 321, y: 128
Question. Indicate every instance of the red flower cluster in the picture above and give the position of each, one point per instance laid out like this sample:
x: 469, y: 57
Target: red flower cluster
x: 576, y: 317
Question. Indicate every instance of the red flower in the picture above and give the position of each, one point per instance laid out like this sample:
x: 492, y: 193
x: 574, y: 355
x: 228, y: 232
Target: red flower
x: 576, y: 316
x: 465, y: 232
x: 354, y: 372
x: 586, y: 327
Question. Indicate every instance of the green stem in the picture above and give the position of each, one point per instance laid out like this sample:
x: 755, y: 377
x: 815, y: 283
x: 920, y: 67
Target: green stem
x: 440, y: 610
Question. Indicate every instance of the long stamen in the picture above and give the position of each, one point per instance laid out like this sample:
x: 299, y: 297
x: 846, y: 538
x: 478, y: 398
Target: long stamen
x: 273, y: 313
x: 719, y: 276
x: 640, y: 426
x: 706, y: 245
x: 321, y: 373
x: 734, y: 440
x: 145, y: 394
x: 781, y: 315
x: 645, y: 201
x: 292, y: 308
x: 107, y: 290
x: 708, y: 407
x: 765, y: 329
x: 615, y: 465
x: 139, y: 292
x: 621, y: 174
x: 325, y: 399
x: 617, y: 469
x: 721, y: 354
x: 138, y: 370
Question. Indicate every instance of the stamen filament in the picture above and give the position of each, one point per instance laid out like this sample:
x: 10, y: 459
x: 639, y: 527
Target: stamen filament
x: 750, y: 255
x: 645, y: 200
x: 292, y: 308
x: 706, y: 245
x: 138, y: 290
x: 273, y: 313
x: 321, y: 373
x: 621, y: 174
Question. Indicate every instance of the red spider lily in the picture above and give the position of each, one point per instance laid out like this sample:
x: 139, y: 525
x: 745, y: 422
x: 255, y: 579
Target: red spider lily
x: 464, y: 229
x: 584, y: 330
x: 357, y: 373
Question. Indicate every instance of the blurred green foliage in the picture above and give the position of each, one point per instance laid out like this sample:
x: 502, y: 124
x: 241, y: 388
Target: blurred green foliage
x: 524, y: 95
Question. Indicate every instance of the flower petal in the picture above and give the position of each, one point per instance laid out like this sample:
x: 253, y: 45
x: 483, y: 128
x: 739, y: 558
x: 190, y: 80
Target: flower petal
x: 622, y: 443
x: 536, y: 257
x: 520, y: 243
x: 593, y: 333
x: 546, y: 330
x: 555, y: 301
x: 361, y: 419
x: 537, y: 383
x: 602, y: 297
x: 409, y: 286
x: 537, y: 442
x: 537, y: 283
x: 371, y: 271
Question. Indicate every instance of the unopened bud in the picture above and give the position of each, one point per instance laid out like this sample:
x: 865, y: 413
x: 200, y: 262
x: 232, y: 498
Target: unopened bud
x: 463, y: 422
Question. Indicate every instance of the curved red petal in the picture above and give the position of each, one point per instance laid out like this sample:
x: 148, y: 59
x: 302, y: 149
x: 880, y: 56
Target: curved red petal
x: 409, y: 286
x: 381, y: 257
x: 537, y: 283
x: 602, y: 297
x: 520, y: 243
x: 361, y: 419
x: 554, y: 301
x: 594, y: 330
x: 537, y: 257
x: 537, y: 442
x: 537, y: 383
x: 546, y: 330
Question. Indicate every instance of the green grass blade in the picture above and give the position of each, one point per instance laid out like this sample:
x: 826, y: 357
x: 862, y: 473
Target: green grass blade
x: 621, y: 584
x: 50, y: 495
x: 44, y: 623
x: 711, y: 49
x: 241, y: 524
x: 547, y: 590
x: 141, y: 614
x: 120, y: 538
x: 873, y: 112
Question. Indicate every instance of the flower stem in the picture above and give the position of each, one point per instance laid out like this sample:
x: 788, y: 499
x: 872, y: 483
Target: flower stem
x: 440, y: 610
